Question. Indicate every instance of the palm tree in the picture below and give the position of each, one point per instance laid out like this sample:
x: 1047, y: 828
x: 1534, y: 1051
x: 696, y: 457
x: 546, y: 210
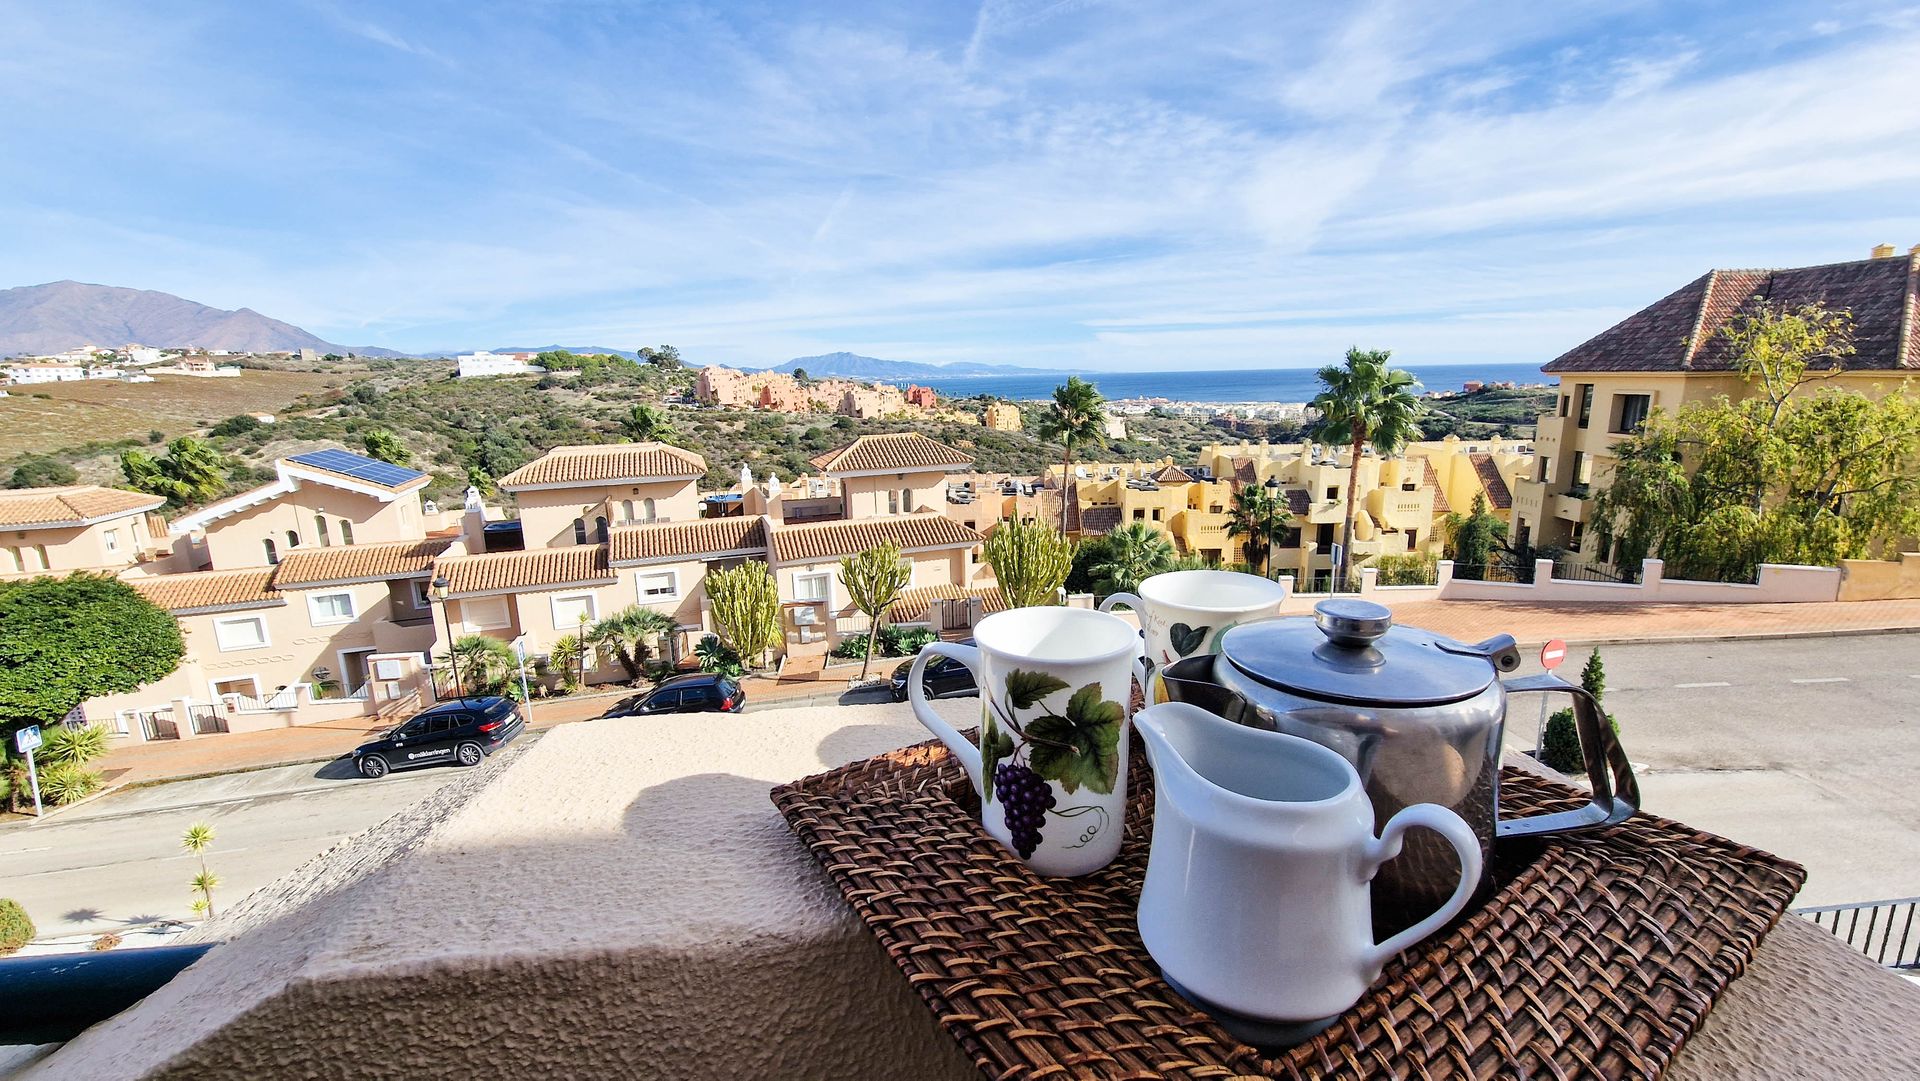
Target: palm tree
x: 1365, y: 402
x: 1077, y: 417
x: 1133, y: 553
x: 648, y: 424
x: 1258, y: 517
x: 484, y: 663
x: 199, y: 838
x: 631, y: 633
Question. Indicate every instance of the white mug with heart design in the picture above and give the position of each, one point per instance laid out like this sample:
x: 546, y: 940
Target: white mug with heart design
x: 1185, y: 612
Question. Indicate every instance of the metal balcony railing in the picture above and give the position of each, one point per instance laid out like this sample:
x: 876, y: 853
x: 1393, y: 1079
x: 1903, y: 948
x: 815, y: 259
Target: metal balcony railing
x: 1884, y: 931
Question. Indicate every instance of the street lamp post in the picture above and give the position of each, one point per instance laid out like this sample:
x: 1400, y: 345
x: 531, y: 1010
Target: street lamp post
x: 440, y: 594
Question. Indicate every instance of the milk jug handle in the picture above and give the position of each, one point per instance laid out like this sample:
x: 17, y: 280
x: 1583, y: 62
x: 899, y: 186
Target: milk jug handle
x: 1465, y: 843
x: 1616, y: 795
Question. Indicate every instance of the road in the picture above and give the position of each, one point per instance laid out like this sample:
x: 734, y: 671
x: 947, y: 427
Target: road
x: 1808, y: 748
x: 116, y: 863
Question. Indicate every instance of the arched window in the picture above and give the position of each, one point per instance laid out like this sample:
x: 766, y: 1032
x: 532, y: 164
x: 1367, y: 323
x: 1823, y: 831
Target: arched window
x: 579, y: 531
x: 646, y: 508
x: 13, y: 560
x: 600, y: 529
x: 626, y: 510
x: 906, y: 500
x: 293, y: 538
x: 273, y: 554
x: 893, y: 501
x: 346, y: 531
x: 320, y: 526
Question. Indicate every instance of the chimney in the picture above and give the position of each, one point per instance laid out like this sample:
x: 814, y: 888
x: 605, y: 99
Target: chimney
x: 1883, y: 251
x: 1915, y: 250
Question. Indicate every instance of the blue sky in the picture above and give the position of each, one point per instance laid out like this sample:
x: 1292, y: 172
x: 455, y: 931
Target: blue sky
x: 1059, y: 183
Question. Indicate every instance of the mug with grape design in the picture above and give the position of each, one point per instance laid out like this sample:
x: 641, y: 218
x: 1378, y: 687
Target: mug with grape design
x: 1051, y: 764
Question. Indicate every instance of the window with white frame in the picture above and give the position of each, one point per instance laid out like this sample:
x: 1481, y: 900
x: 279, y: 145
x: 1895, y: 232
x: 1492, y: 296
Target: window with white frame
x: 422, y: 598
x: 244, y: 632
x: 572, y: 609
x: 485, y: 613
x: 811, y: 585
x: 659, y: 585
x: 113, y: 540
x: 326, y: 608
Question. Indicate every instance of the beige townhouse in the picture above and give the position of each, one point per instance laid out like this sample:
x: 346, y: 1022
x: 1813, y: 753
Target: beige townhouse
x: 318, y: 499
x: 575, y: 494
x: 1675, y: 351
x: 81, y: 527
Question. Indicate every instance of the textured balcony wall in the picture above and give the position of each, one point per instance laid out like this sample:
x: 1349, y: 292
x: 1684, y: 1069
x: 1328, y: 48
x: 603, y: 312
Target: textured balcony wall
x: 621, y: 900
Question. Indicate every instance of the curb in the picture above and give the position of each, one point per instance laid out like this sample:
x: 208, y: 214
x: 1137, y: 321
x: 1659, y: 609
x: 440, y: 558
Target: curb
x: 1735, y: 636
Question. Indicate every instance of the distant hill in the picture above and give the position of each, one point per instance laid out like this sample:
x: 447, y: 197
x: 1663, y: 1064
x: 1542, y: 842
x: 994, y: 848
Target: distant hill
x: 855, y: 366
x: 66, y: 315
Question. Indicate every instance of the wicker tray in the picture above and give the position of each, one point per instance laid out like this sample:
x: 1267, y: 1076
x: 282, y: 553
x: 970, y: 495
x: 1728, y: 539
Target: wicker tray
x: 1597, y: 956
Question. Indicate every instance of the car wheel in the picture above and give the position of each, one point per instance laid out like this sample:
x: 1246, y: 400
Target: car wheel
x: 469, y: 754
x: 372, y: 767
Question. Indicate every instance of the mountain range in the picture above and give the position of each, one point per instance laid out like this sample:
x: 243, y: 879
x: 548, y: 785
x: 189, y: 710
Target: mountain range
x: 854, y: 366
x: 68, y: 314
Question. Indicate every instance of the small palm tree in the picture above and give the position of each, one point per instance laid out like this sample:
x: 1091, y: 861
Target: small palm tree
x: 1133, y: 553
x: 630, y: 633
x: 648, y: 424
x: 873, y: 580
x: 484, y: 663
x: 1077, y: 418
x: 1259, y: 519
x: 1365, y: 402
x: 197, y: 839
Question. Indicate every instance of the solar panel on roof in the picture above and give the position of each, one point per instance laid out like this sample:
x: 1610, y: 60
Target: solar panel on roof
x: 359, y: 467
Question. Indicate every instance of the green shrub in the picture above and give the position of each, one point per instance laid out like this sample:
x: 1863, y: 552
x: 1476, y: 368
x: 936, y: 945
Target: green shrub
x: 910, y: 640
x: 62, y: 785
x: 1560, y: 746
x: 716, y: 656
x: 1411, y: 569
x: 65, y: 746
x: 16, y: 930
x: 854, y: 646
x: 894, y: 642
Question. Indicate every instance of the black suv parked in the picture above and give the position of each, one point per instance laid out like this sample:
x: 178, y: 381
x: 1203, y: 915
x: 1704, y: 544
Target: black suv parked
x: 944, y: 678
x: 464, y: 731
x: 695, y: 692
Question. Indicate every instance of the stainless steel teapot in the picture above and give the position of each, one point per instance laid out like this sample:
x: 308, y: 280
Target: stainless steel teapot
x: 1420, y: 717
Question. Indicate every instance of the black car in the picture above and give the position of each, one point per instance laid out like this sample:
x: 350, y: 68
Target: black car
x: 695, y: 692
x: 464, y: 731
x: 944, y: 678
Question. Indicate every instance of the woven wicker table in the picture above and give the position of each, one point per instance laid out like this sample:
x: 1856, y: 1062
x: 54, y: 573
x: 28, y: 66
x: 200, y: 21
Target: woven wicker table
x: 1597, y: 956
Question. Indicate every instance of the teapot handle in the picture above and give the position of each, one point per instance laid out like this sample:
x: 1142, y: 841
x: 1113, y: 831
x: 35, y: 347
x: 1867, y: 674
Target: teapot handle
x: 1615, y: 797
x: 1465, y: 843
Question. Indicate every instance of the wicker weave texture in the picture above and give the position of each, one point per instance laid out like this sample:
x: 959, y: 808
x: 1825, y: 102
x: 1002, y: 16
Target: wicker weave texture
x: 1596, y: 957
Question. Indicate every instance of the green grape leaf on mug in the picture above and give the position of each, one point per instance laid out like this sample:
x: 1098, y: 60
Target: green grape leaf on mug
x: 1081, y: 748
x: 1025, y: 689
x: 1184, y: 639
x: 995, y: 745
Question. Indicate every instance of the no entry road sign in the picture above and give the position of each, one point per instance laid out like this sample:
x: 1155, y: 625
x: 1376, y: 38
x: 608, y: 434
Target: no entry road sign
x: 1552, y: 654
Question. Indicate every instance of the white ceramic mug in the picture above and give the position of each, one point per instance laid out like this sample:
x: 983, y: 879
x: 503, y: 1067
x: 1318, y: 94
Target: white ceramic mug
x: 1185, y: 612
x: 1256, y: 902
x: 1051, y: 765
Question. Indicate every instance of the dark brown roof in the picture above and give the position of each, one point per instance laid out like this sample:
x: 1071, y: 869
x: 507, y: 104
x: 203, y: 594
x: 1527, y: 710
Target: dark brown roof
x: 607, y: 463
x: 1095, y: 521
x: 831, y: 540
x: 1682, y: 330
x: 210, y: 591
x: 358, y: 562
x: 1299, y: 503
x: 1432, y: 482
x: 1246, y: 471
x: 899, y: 452
x: 1172, y: 474
x: 1491, y: 480
x: 681, y: 540
x: 541, y: 568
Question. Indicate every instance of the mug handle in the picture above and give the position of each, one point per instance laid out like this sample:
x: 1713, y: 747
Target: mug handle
x: 1114, y: 600
x: 1613, y: 802
x: 1455, y: 829
x: 966, y: 751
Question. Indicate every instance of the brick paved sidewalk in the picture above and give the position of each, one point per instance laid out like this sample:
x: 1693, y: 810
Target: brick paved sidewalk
x: 1469, y: 621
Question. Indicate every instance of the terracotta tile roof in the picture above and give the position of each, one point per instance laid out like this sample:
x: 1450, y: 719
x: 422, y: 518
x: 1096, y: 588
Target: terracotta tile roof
x: 897, y: 452
x: 358, y: 562
x: 1246, y: 471
x: 831, y: 540
x: 1172, y: 474
x: 210, y: 591
x: 1299, y: 503
x: 70, y: 505
x: 541, y: 568
x: 913, y: 603
x: 1098, y: 521
x: 1682, y: 330
x: 1046, y: 505
x: 1492, y: 481
x: 648, y: 543
x: 608, y: 463
x: 1432, y: 481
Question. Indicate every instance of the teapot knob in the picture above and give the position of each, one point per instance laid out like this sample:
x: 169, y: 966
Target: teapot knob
x: 1352, y: 623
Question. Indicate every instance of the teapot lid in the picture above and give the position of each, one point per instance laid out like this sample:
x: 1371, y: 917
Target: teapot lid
x: 1352, y: 652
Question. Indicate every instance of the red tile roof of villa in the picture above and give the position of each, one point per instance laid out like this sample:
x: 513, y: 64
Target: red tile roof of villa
x: 1299, y: 503
x: 913, y: 603
x: 70, y: 505
x: 210, y: 591
x: 542, y: 568
x: 1681, y: 332
x: 1097, y: 521
x: 892, y: 453
x: 1491, y: 480
x: 684, y: 540
x: 610, y: 463
x: 831, y: 540
x: 1431, y: 480
x: 358, y: 562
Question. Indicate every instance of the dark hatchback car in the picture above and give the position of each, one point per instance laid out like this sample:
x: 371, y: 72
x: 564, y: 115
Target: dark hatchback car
x: 464, y: 731
x: 695, y: 692
x: 944, y: 678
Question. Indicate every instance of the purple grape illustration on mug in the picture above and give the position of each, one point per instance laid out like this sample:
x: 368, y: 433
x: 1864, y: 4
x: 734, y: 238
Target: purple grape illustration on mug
x: 1077, y: 746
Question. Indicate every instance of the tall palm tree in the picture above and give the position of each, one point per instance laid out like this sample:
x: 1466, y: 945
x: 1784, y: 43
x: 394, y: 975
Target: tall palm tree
x: 1133, y: 553
x: 1258, y: 517
x: 630, y: 633
x: 1365, y: 402
x: 1077, y: 417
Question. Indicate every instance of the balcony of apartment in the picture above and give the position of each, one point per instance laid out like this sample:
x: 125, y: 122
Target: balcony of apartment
x: 1572, y: 505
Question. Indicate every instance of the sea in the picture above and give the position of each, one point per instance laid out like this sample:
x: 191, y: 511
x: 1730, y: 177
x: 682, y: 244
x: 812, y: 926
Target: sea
x: 1256, y: 385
